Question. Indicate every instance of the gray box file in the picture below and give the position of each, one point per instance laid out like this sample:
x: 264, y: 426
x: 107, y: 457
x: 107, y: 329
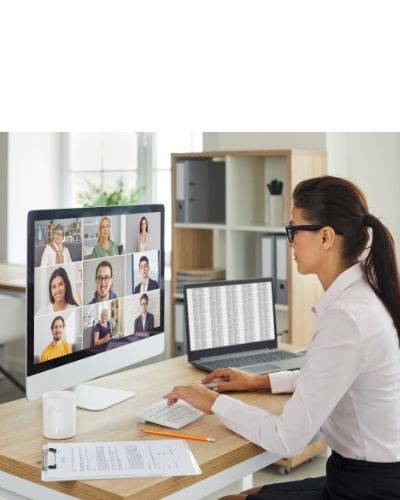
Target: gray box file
x: 281, y: 257
x: 274, y: 255
x: 200, y: 191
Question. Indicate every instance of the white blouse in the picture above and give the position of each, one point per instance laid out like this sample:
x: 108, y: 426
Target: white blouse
x: 50, y: 309
x: 49, y: 256
x: 349, y: 386
x: 141, y: 247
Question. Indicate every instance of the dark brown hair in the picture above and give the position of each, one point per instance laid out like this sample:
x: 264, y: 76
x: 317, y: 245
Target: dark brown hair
x: 56, y: 319
x: 61, y: 272
x: 339, y: 203
x: 140, y: 224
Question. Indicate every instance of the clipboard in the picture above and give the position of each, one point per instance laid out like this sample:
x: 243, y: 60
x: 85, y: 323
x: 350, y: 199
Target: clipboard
x: 118, y: 459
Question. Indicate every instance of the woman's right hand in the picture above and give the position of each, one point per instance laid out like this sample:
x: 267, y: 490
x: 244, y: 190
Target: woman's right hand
x: 232, y: 379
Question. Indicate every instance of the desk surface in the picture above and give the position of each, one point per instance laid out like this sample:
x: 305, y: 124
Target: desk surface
x: 12, y: 277
x: 21, y: 437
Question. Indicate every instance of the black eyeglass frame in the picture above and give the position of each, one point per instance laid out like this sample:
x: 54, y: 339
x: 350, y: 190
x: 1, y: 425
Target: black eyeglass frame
x: 291, y: 230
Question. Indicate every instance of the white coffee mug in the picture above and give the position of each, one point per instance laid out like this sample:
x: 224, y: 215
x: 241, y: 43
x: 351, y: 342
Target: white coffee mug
x: 59, y: 414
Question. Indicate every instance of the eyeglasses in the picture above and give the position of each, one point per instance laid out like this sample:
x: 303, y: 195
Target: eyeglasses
x: 58, y: 234
x: 291, y: 230
x: 106, y: 279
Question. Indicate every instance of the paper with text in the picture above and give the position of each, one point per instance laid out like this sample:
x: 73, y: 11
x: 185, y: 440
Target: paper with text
x: 71, y: 461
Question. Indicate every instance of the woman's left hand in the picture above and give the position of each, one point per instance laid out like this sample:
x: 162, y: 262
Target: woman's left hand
x: 195, y: 394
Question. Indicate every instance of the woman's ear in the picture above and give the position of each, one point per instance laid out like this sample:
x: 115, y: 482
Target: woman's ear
x: 328, y: 237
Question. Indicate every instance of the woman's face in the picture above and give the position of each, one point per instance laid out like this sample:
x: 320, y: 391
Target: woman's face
x: 58, y: 289
x: 104, y: 316
x: 58, y: 237
x: 306, y: 246
x: 143, y: 225
x: 105, y: 229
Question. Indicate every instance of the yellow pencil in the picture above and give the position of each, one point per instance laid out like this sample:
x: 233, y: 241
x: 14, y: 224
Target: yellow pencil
x: 178, y: 435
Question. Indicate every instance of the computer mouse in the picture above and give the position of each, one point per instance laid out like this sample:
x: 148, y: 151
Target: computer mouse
x: 214, y: 383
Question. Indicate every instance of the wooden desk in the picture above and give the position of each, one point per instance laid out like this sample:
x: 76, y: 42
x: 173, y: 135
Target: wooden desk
x: 21, y: 439
x: 12, y: 277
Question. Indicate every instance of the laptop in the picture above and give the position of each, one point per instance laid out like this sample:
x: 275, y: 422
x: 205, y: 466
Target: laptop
x: 232, y: 324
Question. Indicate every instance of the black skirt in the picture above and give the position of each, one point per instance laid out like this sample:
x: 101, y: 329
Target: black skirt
x: 345, y: 479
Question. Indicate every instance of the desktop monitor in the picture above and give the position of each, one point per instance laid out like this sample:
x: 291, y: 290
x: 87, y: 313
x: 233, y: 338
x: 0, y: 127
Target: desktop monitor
x: 95, y: 297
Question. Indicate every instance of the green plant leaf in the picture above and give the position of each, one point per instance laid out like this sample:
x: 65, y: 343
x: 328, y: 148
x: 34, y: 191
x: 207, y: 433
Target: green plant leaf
x: 96, y: 196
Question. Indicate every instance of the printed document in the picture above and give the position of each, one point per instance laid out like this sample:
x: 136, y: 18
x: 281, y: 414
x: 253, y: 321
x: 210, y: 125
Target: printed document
x: 71, y: 461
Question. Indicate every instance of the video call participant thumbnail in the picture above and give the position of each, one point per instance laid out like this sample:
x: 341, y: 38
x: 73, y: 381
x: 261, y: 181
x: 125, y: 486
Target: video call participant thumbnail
x: 146, y: 284
x: 60, y: 293
x: 55, y: 252
x: 143, y: 239
x: 145, y: 321
x: 57, y: 347
x: 104, y: 281
x: 102, y: 332
x: 105, y: 246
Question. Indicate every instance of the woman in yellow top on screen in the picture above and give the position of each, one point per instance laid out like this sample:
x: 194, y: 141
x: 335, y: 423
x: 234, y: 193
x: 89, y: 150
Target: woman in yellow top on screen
x: 55, y: 252
x: 60, y: 293
x: 105, y: 247
x: 143, y: 240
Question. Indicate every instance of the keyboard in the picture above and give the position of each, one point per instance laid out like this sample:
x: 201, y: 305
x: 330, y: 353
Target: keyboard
x: 175, y: 416
x: 251, y: 359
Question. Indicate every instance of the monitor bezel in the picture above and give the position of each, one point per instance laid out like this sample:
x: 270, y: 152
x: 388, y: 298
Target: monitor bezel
x: 71, y: 213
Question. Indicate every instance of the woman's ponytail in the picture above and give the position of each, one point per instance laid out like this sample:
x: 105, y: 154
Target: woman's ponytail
x: 380, y: 268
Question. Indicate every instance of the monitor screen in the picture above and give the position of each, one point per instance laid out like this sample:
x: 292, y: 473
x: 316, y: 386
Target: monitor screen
x: 95, y: 294
x: 229, y: 313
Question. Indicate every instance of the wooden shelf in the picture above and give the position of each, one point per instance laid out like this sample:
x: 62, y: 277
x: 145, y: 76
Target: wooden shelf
x: 260, y: 229
x: 236, y: 245
x: 197, y: 225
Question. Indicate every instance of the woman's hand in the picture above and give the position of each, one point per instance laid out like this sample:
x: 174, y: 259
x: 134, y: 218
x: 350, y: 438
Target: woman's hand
x: 195, y: 394
x: 232, y: 379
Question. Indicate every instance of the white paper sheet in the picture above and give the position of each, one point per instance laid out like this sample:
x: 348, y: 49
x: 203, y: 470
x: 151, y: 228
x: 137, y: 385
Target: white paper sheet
x: 71, y: 461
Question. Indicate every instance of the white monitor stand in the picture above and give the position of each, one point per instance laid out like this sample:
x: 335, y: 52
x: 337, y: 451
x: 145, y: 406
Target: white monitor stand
x: 90, y: 397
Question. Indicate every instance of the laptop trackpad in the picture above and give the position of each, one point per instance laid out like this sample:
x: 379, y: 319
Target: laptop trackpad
x: 262, y: 368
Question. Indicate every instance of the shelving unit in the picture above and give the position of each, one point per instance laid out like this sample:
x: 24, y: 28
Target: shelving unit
x: 90, y: 228
x: 72, y: 231
x: 235, y: 244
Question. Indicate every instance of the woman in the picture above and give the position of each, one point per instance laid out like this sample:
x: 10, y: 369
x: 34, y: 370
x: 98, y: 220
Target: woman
x: 104, y: 247
x: 103, y: 330
x: 60, y: 293
x: 349, y: 386
x: 143, y: 240
x: 55, y: 252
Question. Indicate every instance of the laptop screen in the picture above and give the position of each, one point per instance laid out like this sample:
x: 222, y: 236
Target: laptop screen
x: 227, y: 313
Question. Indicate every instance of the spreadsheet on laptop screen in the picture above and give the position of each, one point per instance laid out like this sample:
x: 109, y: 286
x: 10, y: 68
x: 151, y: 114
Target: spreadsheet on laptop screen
x: 230, y: 314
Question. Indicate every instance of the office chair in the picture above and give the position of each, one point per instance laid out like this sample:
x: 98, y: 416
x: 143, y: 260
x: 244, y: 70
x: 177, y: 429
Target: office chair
x: 12, y: 326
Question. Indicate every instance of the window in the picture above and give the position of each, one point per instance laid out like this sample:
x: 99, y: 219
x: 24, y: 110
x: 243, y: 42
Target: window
x: 138, y: 159
x: 101, y: 159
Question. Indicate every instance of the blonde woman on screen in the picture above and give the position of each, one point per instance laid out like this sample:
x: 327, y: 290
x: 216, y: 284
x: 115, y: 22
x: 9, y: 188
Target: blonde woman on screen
x: 105, y: 246
x: 55, y: 252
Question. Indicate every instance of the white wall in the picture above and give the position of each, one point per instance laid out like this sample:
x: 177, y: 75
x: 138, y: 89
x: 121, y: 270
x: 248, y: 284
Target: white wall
x: 3, y: 194
x: 371, y: 160
x: 218, y: 141
x: 33, y: 183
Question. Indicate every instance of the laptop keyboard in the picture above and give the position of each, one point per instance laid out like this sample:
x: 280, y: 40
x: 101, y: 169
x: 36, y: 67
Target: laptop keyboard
x: 176, y: 416
x: 252, y: 359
